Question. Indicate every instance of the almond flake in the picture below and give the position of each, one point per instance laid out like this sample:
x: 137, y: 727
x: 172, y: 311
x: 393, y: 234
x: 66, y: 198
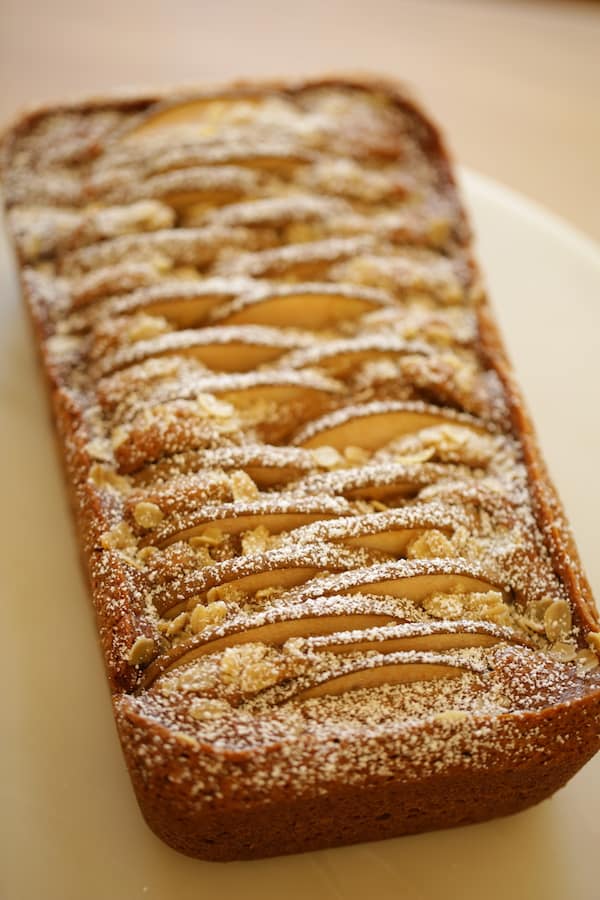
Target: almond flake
x: 142, y: 651
x: 557, y: 620
x: 242, y: 486
x: 107, y: 479
x: 120, y: 537
x: 203, y: 616
x: 148, y: 515
x: 593, y: 640
x: 212, y: 536
x: 216, y: 409
x: 328, y: 457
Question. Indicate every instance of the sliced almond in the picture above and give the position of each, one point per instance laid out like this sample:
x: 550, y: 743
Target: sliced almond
x: 558, y: 620
x: 142, y: 651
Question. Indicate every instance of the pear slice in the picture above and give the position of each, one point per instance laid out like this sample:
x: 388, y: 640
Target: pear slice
x: 373, y: 482
x: 199, y: 113
x: 384, y: 673
x: 276, y: 513
x: 179, y: 496
x: 280, y: 388
x: 267, y: 465
x: 273, y: 633
x: 179, y: 188
x: 388, y: 532
x: 307, y: 260
x: 259, y: 392
x: 269, y: 476
x: 373, y: 425
x: 277, y: 156
x: 418, y: 587
x: 313, y: 306
x: 182, y: 303
x: 273, y: 522
x: 277, y: 212
x: 278, y: 579
x: 87, y: 289
x: 224, y: 349
x: 394, y: 541
x: 414, y: 580
x: 346, y: 354
x: 438, y: 642
x: 282, y: 568
x: 167, y: 246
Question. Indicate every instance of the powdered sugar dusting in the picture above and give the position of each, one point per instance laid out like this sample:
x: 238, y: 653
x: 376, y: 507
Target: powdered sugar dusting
x: 312, y: 537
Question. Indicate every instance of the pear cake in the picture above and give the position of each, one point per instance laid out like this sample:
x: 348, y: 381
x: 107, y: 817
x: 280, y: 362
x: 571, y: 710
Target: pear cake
x: 337, y: 595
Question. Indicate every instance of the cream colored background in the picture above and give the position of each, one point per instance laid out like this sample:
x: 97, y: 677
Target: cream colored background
x: 516, y: 84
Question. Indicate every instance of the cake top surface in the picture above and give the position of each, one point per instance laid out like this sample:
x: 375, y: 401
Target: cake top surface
x: 312, y: 512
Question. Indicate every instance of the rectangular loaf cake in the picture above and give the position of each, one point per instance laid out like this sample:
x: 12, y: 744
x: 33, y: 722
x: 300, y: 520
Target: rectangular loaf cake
x: 336, y: 593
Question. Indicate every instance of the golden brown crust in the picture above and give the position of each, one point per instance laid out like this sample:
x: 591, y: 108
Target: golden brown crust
x: 249, y: 749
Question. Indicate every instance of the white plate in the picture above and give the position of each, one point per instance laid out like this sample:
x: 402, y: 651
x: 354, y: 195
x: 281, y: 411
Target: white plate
x: 72, y: 829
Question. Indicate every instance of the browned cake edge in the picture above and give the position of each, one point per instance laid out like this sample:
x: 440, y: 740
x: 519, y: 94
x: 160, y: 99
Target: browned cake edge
x: 531, y: 754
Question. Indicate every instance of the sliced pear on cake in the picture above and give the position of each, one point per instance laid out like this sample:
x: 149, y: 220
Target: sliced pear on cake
x: 256, y: 393
x: 277, y: 156
x: 373, y: 425
x: 274, y: 627
x: 309, y: 260
x: 102, y: 281
x: 202, y: 113
x: 275, y: 513
x: 314, y: 306
x: 414, y: 580
x: 266, y: 464
x: 347, y: 354
x: 180, y: 188
x: 417, y: 636
x: 277, y: 212
x: 389, y: 532
x: 277, y: 387
x: 419, y: 667
x: 183, y: 303
x: 282, y: 568
x: 224, y: 349
x: 372, y: 482
x: 159, y: 249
